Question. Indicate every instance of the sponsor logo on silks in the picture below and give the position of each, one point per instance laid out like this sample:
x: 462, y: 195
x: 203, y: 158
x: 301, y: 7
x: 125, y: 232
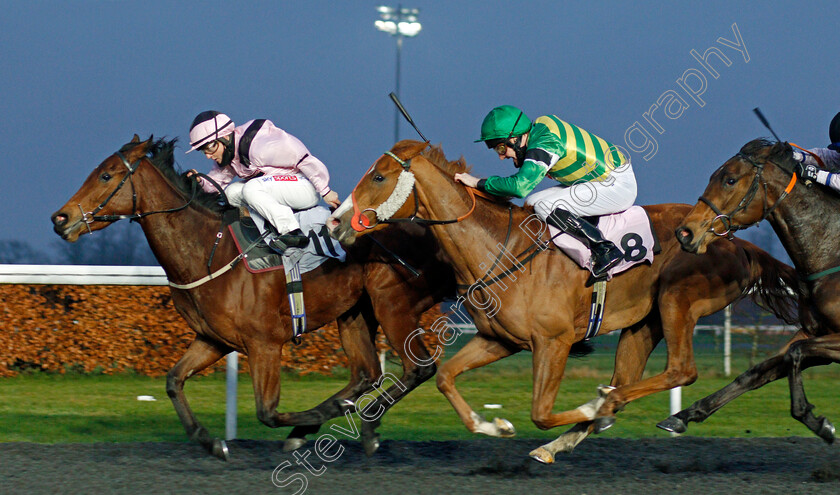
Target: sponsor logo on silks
x: 284, y: 178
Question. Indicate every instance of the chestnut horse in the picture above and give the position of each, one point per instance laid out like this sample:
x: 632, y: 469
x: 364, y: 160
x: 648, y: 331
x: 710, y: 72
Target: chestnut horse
x: 541, y: 303
x: 756, y: 184
x: 249, y: 313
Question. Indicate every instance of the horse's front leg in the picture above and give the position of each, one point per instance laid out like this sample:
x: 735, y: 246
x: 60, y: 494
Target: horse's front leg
x: 265, y: 363
x: 200, y: 354
x: 802, y: 355
x: 478, y: 351
x: 399, y: 319
x: 759, y: 375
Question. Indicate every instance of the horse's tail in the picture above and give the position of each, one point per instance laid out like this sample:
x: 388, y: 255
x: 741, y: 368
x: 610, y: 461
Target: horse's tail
x: 773, y: 285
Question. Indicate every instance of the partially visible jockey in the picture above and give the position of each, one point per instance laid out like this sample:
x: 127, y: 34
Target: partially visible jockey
x: 280, y: 174
x: 809, y: 168
x: 595, y: 178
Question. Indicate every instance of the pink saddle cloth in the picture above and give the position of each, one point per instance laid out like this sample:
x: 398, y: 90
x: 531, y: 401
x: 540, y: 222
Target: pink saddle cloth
x: 630, y: 230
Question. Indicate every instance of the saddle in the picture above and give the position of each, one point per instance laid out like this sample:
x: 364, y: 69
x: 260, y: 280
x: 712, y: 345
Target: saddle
x: 630, y: 230
x: 246, y: 230
x: 248, y: 235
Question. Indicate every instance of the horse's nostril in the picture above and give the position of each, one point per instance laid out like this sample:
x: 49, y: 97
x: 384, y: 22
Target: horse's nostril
x: 333, y: 223
x: 683, y: 234
x: 59, y: 219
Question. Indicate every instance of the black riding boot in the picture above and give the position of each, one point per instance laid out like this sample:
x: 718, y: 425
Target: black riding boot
x: 605, y: 254
x: 294, y: 239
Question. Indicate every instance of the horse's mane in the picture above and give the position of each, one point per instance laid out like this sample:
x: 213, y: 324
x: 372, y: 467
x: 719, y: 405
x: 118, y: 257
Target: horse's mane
x: 161, y: 153
x: 756, y: 145
x: 780, y: 153
x: 434, y: 153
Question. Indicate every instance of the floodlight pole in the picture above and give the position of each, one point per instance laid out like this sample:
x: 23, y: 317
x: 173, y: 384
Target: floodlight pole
x: 399, y: 23
x: 397, y: 90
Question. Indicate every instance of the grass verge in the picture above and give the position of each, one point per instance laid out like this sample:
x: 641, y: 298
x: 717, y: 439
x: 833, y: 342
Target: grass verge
x: 49, y: 408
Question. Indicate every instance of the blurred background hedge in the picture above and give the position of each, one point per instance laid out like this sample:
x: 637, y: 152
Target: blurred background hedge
x: 124, y: 329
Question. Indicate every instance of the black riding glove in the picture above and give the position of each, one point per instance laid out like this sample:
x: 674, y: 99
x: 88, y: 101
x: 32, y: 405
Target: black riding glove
x: 806, y: 172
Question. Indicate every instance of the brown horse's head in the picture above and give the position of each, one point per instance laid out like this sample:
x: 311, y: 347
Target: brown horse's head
x: 102, y: 193
x: 742, y: 192
x: 385, y: 191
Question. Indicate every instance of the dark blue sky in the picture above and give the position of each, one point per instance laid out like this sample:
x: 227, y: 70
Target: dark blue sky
x: 80, y: 78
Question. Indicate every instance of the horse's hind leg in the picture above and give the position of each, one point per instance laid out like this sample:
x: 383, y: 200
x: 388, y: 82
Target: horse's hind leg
x: 632, y: 353
x: 678, y: 322
x: 801, y: 355
x: 356, y: 329
x: 200, y: 354
x: 759, y: 375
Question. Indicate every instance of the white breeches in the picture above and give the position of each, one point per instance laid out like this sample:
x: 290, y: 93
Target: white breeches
x: 274, y: 197
x: 615, y: 194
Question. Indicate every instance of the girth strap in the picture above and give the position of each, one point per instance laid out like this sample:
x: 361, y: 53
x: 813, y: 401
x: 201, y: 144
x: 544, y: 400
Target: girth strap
x: 596, y: 311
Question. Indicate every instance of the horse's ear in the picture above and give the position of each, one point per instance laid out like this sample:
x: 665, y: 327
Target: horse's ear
x: 138, y: 148
x: 782, y: 149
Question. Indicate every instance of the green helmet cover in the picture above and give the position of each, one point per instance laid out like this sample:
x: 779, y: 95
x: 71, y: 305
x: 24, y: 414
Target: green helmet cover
x: 502, y: 122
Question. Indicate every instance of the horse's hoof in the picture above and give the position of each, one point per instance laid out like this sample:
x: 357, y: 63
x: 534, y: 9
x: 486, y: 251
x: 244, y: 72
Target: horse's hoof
x: 292, y: 444
x: 673, y: 424
x: 826, y: 431
x: 220, y: 449
x: 371, y: 445
x: 542, y: 455
x: 603, y: 423
x: 504, y: 427
x: 604, y: 390
x: 345, y: 405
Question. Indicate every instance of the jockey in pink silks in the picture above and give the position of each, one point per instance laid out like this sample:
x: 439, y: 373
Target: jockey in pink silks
x: 280, y: 175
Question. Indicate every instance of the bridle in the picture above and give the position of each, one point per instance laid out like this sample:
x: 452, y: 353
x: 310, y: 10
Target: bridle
x: 406, y: 186
x: 91, y: 216
x: 726, y: 218
x: 748, y: 197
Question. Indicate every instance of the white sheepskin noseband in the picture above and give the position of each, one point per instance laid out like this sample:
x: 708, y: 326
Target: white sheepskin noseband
x: 405, y: 184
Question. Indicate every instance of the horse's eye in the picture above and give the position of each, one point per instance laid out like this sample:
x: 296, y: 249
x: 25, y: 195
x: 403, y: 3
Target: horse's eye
x: 378, y: 178
x: 730, y: 181
x: 105, y: 177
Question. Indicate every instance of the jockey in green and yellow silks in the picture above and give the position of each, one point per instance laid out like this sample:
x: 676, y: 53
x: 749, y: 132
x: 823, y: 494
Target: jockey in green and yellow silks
x: 594, y: 177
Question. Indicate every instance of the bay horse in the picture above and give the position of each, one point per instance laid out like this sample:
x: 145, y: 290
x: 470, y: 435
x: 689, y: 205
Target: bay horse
x: 756, y: 184
x: 541, y: 303
x: 249, y: 313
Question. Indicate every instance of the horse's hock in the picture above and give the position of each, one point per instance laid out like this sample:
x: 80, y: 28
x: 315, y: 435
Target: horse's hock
x: 113, y: 329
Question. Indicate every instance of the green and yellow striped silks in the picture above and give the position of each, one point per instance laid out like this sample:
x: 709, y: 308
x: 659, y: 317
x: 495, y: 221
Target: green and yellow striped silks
x: 581, y: 155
